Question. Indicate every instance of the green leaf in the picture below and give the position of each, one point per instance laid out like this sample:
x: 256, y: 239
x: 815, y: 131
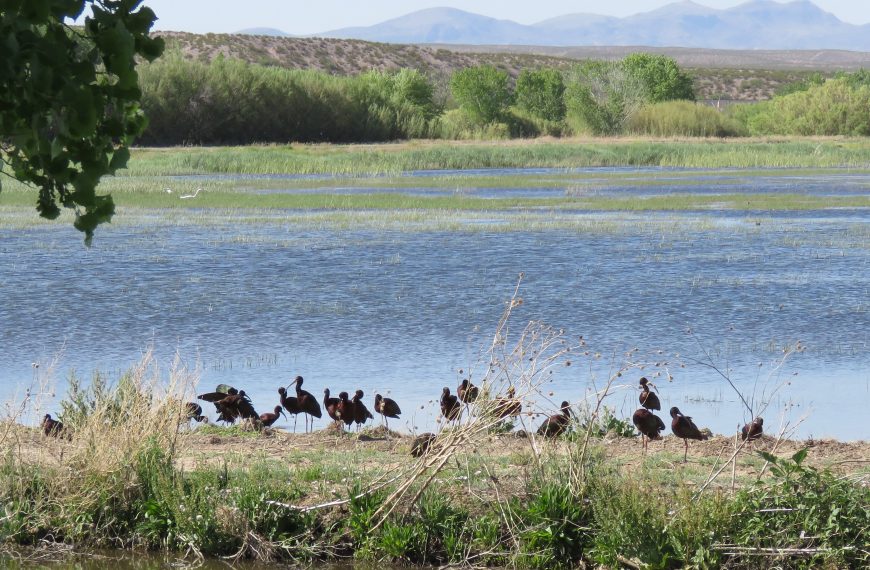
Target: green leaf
x: 799, y: 457
x: 769, y: 457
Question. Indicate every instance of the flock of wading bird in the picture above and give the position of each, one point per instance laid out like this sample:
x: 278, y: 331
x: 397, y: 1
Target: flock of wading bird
x: 233, y: 405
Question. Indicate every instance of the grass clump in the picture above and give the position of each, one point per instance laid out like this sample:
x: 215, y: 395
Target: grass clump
x: 683, y: 119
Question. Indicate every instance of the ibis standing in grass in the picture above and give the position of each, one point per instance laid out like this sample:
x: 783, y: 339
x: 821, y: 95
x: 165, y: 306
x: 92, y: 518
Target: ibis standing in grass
x: 649, y: 425
x: 387, y: 407
x: 307, y: 403
x: 683, y: 427
x: 557, y: 424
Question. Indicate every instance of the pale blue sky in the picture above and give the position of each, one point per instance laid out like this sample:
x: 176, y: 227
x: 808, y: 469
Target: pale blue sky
x: 311, y: 16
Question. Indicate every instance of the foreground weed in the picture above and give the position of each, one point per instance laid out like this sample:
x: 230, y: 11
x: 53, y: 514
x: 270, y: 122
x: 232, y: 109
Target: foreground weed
x: 556, y: 527
x: 803, y: 517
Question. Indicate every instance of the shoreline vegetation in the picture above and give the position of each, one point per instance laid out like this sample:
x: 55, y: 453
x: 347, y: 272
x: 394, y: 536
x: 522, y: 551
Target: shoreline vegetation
x: 130, y: 474
x: 387, y: 178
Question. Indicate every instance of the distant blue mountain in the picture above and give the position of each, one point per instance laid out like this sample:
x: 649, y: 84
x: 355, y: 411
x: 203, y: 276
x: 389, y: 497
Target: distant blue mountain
x: 757, y: 24
x: 264, y: 32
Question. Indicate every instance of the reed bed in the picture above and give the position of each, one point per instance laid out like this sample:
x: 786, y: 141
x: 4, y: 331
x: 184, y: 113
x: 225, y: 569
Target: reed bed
x: 343, y: 160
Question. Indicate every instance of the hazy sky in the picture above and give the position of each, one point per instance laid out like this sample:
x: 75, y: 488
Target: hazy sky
x: 311, y: 16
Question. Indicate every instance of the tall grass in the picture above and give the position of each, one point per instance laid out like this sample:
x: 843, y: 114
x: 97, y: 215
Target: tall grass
x: 683, y: 119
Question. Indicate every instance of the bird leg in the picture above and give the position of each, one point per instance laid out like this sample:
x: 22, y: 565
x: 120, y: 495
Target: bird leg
x: 686, y: 452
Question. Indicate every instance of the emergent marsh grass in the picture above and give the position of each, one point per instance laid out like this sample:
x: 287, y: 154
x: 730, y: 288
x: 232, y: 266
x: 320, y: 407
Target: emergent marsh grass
x: 572, y: 153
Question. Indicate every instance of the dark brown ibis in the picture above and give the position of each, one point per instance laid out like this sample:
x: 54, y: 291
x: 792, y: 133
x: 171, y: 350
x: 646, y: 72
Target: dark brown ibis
x: 753, y: 430
x: 307, y: 403
x: 557, y: 424
x: 683, y: 427
x: 270, y: 418
x: 331, y: 405
x: 53, y: 427
x: 290, y: 405
x: 344, y: 410
x: 510, y: 406
x: 648, y: 399
x: 361, y: 413
x: 235, y: 406
x: 421, y: 444
x: 193, y: 411
x: 648, y: 424
x: 450, y: 408
x: 467, y: 392
x: 387, y: 407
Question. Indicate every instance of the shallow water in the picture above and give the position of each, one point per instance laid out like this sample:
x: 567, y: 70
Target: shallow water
x: 400, y: 312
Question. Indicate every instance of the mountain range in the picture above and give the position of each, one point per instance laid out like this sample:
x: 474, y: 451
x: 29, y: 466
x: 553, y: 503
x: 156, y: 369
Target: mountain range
x: 757, y: 24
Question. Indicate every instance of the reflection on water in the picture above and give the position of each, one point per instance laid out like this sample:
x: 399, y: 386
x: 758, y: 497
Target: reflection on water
x: 401, y: 312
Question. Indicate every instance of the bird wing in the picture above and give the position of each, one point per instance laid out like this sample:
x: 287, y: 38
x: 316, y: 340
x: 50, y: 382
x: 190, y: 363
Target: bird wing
x: 212, y: 396
x: 246, y: 409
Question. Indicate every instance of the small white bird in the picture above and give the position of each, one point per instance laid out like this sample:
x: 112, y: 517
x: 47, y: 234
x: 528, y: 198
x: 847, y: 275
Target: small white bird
x: 168, y: 190
x: 191, y: 195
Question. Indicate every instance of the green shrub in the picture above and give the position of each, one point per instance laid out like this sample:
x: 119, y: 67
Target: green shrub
x: 556, y: 527
x: 806, y: 509
x: 832, y: 108
x: 630, y: 520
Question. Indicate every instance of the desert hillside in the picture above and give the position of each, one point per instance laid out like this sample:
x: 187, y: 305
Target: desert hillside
x: 742, y: 75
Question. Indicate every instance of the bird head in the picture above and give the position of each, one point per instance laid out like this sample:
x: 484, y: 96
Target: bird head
x: 280, y: 410
x: 342, y: 396
x: 378, y: 398
x: 675, y: 412
x: 282, y: 390
x: 759, y: 421
x: 359, y: 393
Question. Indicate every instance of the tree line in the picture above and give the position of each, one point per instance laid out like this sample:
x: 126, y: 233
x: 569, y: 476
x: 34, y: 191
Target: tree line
x: 228, y: 101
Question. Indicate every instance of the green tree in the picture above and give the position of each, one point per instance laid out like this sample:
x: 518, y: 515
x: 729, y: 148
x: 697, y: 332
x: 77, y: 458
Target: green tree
x: 482, y: 92
x: 662, y: 78
x: 540, y: 92
x: 601, y: 97
x: 69, y: 98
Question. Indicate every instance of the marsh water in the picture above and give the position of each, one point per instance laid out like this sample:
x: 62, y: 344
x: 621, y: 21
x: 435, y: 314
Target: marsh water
x: 407, y: 308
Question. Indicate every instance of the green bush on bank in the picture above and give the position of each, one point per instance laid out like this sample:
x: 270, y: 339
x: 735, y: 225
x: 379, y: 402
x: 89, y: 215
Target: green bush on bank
x: 835, y: 107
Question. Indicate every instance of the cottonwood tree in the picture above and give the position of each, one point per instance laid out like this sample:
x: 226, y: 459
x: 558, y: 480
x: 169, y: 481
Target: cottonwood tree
x: 541, y: 93
x: 482, y: 91
x: 69, y: 98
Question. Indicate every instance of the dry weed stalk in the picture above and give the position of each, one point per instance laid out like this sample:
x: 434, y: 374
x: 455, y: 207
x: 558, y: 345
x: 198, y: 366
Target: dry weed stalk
x: 523, y: 364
